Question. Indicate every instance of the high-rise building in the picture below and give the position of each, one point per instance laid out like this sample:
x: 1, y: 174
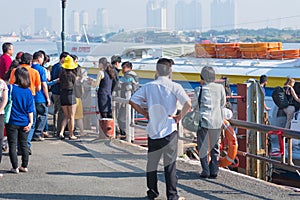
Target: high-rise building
x: 102, y: 26
x: 188, y: 16
x: 84, y: 20
x: 42, y: 22
x: 156, y: 15
x: 223, y: 15
x: 74, y: 28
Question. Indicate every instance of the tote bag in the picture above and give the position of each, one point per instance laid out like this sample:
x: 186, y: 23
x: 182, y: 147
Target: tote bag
x: 8, y: 106
x: 191, y: 121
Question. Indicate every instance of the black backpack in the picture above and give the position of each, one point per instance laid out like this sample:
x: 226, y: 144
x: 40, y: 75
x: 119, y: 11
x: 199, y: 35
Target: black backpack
x: 279, y: 97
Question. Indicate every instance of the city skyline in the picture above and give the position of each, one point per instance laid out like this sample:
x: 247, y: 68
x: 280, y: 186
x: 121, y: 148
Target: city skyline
x: 131, y: 14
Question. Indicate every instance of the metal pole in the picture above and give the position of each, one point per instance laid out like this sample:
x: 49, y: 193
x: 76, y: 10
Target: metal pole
x: 63, y: 6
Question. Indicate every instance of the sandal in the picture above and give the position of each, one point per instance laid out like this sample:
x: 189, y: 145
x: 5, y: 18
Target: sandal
x: 73, y: 138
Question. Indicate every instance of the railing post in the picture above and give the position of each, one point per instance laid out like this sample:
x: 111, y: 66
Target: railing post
x: 180, y: 150
x: 128, y: 118
x: 114, y: 114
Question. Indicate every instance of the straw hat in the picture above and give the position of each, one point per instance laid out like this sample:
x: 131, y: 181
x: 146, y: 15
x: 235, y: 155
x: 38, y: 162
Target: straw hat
x: 69, y: 63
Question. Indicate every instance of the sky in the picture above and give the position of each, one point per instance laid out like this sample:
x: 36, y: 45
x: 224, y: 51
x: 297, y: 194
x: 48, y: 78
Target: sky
x: 131, y: 14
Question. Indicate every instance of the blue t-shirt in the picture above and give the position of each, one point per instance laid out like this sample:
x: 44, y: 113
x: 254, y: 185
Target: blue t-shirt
x: 40, y: 96
x: 54, y: 75
x: 22, y: 105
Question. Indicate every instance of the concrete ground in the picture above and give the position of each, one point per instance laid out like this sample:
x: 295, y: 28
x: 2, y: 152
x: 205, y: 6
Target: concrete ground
x: 92, y: 168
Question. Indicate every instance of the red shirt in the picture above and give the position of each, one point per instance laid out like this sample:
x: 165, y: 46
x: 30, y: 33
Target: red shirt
x: 5, y: 62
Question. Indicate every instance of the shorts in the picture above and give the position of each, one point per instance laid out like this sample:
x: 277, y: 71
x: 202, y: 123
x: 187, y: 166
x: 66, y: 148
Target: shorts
x: 79, y: 109
x: 67, y: 98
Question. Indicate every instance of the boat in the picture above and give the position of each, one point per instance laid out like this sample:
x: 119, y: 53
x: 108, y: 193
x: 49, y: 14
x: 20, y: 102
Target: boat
x: 187, y: 67
x: 12, y: 37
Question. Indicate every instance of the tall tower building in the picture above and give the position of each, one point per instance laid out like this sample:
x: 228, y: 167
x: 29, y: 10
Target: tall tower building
x: 156, y: 14
x: 84, y: 20
x: 74, y: 23
x: 102, y: 21
x: 223, y: 15
x: 188, y: 16
x: 42, y: 22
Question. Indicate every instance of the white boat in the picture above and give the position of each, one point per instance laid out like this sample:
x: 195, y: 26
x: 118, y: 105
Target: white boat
x: 9, y: 38
x: 187, y: 68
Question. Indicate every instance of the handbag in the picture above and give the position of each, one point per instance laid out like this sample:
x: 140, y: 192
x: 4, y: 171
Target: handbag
x: 8, y: 106
x: 79, y: 89
x: 191, y: 121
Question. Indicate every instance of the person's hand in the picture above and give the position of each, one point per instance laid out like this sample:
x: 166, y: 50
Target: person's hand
x: 48, y: 103
x: 267, y: 108
x: 28, y: 127
x: 177, y: 118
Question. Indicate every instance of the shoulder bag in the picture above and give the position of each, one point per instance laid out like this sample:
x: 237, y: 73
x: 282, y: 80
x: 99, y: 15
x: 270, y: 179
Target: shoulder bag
x: 8, y: 106
x: 78, y: 89
x: 191, y: 121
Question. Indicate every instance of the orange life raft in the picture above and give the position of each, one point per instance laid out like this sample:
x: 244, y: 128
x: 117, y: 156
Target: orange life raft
x: 231, y: 146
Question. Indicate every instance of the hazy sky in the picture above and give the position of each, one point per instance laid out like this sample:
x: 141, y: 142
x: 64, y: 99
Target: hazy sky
x: 131, y: 14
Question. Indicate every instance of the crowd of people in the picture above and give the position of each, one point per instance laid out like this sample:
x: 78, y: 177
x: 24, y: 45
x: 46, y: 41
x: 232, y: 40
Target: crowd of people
x: 32, y: 85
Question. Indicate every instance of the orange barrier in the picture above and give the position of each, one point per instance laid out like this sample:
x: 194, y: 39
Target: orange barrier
x: 107, y: 125
x: 231, y: 140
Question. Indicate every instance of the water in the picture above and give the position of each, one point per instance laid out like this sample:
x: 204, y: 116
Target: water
x: 31, y: 47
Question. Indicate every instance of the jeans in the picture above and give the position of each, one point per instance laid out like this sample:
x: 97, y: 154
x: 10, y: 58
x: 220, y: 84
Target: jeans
x: 31, y: 131
x: 41, y: 118
x: 207, y: 140
x: 57, y: 111
x: 167, y: 147
x: 16, y: 134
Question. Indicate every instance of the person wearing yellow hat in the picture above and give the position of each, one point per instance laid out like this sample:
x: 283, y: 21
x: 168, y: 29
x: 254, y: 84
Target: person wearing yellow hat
x: 67, y: 79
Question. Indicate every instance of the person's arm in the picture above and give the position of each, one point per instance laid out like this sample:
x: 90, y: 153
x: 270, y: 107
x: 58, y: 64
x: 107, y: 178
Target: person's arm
x: 28, y: 127
x: 139, y: 109
x: 50, y: 83
x: 100, y: 76
x: 4, y: 100
x: 46, y: 93
x: 294, y: 94
x: 186, y: 107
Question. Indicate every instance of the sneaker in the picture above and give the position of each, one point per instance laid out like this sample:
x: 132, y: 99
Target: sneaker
x: 23, y: 169
x: 38, y: 139
x: 15, y: 171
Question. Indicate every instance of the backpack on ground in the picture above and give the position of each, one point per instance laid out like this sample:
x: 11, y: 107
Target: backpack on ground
x: 279, y: 97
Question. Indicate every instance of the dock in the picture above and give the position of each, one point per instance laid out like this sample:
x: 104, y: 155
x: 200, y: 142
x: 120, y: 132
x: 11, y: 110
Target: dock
x: 110, y: 169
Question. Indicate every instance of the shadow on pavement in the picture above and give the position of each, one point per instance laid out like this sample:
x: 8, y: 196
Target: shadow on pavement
x: 101, y: 174
x: 63, y: 197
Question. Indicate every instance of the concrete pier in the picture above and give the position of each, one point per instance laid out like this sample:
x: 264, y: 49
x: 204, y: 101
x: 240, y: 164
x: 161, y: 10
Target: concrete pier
x: 92, y: 168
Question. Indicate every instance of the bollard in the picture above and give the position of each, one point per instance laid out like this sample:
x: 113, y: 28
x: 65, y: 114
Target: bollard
x: 107, y: 125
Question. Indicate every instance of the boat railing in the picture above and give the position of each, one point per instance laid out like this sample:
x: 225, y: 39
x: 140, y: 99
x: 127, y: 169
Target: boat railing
x: 287, y: 134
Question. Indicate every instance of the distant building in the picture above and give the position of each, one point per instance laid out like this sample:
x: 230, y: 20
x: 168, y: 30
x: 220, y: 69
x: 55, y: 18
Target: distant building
x: 84, y: 19
x: 102, y: 26
x: 74, y: 28
x: 42, y: 22
x: 156, y: 14
x: 223, y: 15
x: 188, y: 16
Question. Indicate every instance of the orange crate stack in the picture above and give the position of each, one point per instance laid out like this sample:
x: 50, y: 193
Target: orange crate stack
x: 205, y: 50
x: 284, y: 54
x: 228, y: 50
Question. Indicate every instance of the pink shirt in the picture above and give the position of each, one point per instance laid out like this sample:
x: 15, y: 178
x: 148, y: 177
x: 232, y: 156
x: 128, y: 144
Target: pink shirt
x: 5, y: 62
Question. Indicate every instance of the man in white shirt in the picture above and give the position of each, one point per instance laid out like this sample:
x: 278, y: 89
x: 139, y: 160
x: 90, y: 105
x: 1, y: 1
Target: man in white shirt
x: 161, y: 97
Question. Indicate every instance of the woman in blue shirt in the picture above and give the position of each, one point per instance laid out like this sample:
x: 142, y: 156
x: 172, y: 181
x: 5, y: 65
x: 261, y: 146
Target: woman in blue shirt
x: 20, y: 120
